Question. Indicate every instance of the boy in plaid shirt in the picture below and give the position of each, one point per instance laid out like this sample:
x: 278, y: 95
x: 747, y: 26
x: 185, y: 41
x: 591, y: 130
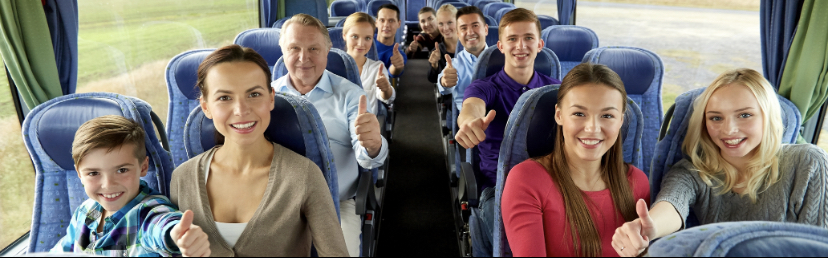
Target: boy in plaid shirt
x: 123, y: 216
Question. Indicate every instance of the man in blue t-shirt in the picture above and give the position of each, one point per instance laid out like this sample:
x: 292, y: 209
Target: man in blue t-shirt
x: 388, y: 21
x: 486, y: 107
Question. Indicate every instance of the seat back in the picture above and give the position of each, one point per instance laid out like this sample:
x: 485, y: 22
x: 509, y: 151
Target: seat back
x: 181, y: 77
x: 339, y: 43
x: 340, y: 23
x: 547, y: 21
x: 315, y: 8
x: 412, y: 8
x: 48, y: 133
x: 278, y: 23
x: 344, y: 7
x: 499, y: 14
x: 264, y: 41
x: 339, y: 63
x: 669, y: 151
x: 294, y: 124
x: 570, y: 43
x: 744, y: 239
x: 490, y: 21
x: 457, y: 5
x: 492, y: 8
x: 492, y: 60
x: 483, y: 3
x: 491, y: 39
x: 642, y: 73
x: 531, y: 131
x: 373, y: 6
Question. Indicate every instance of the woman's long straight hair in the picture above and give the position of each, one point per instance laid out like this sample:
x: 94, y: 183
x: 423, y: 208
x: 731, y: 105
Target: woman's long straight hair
x: 582, y: 228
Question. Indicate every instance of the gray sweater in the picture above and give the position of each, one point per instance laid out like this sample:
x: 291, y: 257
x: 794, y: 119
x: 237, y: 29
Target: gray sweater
x: 799, y: 196
x: 297, y: 209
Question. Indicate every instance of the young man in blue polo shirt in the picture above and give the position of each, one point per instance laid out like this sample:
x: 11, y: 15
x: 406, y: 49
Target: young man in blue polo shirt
x: 389, y: 53
x: 486, y: 109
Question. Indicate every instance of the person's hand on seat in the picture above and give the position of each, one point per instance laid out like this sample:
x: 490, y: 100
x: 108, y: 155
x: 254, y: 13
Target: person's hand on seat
x: 473, y: 132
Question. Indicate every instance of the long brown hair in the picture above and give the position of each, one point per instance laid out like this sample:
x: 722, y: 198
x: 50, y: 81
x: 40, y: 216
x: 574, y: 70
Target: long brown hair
x: 582, y: 228
x: 230, y: 53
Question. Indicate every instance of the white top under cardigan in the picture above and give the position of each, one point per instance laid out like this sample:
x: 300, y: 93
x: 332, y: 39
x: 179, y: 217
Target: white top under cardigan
x: 229, y: 231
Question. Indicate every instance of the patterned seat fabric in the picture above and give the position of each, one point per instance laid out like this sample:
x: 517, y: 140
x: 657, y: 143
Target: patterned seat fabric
x: 570, y: 43
x: 530, y: 132
x: 48, y: 133
x: 181, y: 77
x: 744, y: 239
x: 642, y: 73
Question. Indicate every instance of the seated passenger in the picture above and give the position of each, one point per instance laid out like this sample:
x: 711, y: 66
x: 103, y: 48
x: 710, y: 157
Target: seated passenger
x: 123, y: 216
x: 388, y: 21
x: 457, y: 75
x: 358, y: 33
x: 563, y: 204
x: 487, y: 105
x: 430, y: 34
x: 256, y: 198
x: 354, y: 133
x: 446, y: 20
x: 737, y: 170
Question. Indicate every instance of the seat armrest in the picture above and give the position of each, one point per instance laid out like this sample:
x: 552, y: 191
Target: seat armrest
x: 468, y: 184
x: 366, y: 200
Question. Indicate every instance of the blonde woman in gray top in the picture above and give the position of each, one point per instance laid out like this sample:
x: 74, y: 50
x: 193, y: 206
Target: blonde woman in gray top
x: 251, y: 196
x: 738, y: 168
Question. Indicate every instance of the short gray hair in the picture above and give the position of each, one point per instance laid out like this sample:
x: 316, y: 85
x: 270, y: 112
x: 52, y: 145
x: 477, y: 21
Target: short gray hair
x: 307, y: 20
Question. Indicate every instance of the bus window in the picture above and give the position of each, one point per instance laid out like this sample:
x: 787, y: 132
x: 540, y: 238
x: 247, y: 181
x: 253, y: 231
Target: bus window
x: 124, y: 46
x: 540, y: 7
x: 823, y: 134
x: 16, y: 171
x: 696, y: 40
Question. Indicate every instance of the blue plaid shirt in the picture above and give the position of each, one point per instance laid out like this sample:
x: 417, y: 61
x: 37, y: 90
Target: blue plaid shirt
x: 141, y: 228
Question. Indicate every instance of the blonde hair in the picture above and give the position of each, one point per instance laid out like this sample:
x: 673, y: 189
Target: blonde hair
x: 356, y: 18
x: 763, y: 168
x: 110, y: 132
x: 448, y: 8
x: 518, y: 15
x: 307, y: 20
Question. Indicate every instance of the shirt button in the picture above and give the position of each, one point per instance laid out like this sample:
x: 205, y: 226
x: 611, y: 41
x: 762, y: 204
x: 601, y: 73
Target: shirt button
x: 525, y: 88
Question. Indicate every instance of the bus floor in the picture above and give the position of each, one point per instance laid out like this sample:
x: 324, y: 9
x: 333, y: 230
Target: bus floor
x: 417, y: 218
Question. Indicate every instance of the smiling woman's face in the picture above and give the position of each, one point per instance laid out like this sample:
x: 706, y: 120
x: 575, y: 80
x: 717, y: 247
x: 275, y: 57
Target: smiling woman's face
x: 238, y: 101
x: 734, y: 121
x: 590, y: 116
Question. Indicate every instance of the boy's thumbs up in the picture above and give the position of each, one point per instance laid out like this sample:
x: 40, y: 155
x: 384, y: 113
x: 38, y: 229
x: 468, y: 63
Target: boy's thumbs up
x: 183, y: 226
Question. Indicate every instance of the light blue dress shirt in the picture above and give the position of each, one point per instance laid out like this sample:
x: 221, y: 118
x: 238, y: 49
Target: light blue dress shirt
x: 337, y: 101
x: 464, y: 63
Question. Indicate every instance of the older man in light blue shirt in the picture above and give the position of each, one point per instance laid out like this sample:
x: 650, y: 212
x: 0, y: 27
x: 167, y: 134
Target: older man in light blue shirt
x: 353, y: 133
x: 472, y: 31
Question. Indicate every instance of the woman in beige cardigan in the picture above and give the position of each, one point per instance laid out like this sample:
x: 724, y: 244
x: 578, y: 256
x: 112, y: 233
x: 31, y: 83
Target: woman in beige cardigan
x: 252, y: 197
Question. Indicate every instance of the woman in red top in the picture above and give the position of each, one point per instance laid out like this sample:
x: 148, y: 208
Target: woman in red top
x: 570, y: 202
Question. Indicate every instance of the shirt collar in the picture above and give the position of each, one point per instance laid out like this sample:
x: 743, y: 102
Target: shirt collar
x: 96, y: 212
x: 472, y: 56
x: 516, y: 85
x: 324, y: 84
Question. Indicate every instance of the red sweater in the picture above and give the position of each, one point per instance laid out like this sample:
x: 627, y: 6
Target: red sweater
x: 535, y: 219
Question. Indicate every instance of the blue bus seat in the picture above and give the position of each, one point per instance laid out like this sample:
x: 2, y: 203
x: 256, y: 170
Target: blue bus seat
x: 264, y: 41
x: 181, y: 77
x: 547, y: 21
x: 499, y: 14
x: 340, y: 23
x: 570, y: 43
x: 492, y: 8
x: 668, y: 150
x: 412, y: 8
x: 373, y: 6
x: 339, y: 43
x: 642, y: 73
x: 48, y: 132
x: 490, y: 21
x: 744, y: 239
x: 531, y: 132
x: 344, y: 8
x: 483, y: 3
x: 315, y: 8
x: 278, y: 23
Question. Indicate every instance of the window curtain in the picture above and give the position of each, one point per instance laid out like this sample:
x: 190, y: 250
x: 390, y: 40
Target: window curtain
x: 778, y: 25
x: 62, y: 17
x: 31, y: 65
x: 805, y: 77
x: 269, y: 13
x: 566, y: 11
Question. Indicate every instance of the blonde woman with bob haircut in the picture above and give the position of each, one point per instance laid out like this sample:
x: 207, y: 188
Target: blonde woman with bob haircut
x: 738, y: 169
x: 570, y: 202
x: 358, y: 32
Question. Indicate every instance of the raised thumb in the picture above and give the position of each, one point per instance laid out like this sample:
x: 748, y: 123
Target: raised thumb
x: 186, y: 222
x: 396, y: 49
x: 363, y: 105
x: 437, y: 47
x: 448, y: 62
x: 379, y: 72
x: 489, y: 118
x: 643, y: 213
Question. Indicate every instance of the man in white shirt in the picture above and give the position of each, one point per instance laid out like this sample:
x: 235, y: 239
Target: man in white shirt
x: 353, y: 133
